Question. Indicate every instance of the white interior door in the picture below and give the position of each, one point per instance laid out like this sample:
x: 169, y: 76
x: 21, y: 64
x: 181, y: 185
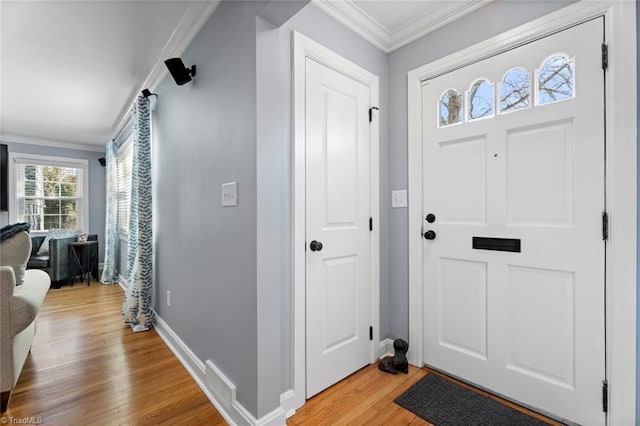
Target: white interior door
x: 514, y: 149
x: 338, y: 281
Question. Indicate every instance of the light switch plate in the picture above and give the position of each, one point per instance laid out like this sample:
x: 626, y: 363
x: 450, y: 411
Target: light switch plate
x: 399, y: 198
x: 230, y: 194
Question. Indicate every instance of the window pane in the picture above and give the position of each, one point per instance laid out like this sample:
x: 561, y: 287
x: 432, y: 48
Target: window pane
x: 51, y: 222
x: 69, y: 222
x: 31, y: 189
x: 51, y: 189
x: 555, y: 80
x: 52, y: 207
x: 52, y: 182
x: 450, y: 108
x: 68, y: 189
x: 31, y: 212
x: 480, y: 100
x: 68, y: 175
x: 68, y: 207
x: 515, y: 90
x: 124, y: 162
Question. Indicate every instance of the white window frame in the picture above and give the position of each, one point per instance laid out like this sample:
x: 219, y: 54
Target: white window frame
x: 83, y: 217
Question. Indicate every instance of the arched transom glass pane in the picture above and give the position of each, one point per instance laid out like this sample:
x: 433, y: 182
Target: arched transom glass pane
x: 556, y: 80
x: 480, y: 100
x: 450, y: 109
x: 515, y: 90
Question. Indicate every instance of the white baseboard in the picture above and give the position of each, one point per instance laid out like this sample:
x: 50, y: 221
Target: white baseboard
x: 216, y: 386
x: 385, y: 348
x: 287, y: 402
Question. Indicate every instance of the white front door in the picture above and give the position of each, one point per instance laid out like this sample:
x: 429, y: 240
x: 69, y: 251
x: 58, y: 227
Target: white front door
x: 514, y: 180
x: 338, y: 241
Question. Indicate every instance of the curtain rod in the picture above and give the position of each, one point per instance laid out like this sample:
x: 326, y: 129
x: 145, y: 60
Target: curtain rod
x: 126, y: 120
x: 124, y: 123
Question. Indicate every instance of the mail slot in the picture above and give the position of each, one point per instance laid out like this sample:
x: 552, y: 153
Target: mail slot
x: 496, y: 244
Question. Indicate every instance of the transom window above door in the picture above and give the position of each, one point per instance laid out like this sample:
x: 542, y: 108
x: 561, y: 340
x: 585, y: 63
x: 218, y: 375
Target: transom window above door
x: 553, y: 81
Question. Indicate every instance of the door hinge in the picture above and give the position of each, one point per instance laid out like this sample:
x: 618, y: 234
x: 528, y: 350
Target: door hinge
x: 605, y: 226
x: 371, y: 113
x: 605, y: 396
x: 370, y: 224
x: 605, y: 56
x: 371, y: 333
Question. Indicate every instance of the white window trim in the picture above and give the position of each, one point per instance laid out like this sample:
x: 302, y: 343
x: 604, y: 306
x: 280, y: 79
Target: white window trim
x: 83, y: 218
x: 621, y: 184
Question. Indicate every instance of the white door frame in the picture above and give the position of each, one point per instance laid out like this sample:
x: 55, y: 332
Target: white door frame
x: 303, y: 48
x: 621, y: 183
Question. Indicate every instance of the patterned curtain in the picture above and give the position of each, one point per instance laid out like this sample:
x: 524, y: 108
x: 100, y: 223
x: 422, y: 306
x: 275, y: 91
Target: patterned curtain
x: 109, y: 273
x: 137, y: 310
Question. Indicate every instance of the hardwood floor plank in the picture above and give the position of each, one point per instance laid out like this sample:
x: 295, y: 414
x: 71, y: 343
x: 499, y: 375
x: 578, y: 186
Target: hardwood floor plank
x: 87, y: 368
x: 366, y: 398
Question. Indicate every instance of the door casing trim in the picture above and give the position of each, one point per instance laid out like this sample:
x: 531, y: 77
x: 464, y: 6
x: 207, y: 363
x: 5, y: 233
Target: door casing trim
x: 620, y: 34
x: 303, y: 48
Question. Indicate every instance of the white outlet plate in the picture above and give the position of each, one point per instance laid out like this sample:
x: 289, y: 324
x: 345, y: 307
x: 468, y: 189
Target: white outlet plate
x: 230, y: 194
x: 168, y: 298
x: 399, y: 198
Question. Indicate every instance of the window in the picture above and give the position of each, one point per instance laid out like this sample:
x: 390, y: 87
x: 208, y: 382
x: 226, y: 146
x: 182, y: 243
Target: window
x: 124, y: 162
x: 480, y: 100
x: 450, y: 111
x: 49, y: 192
x: 555, y: 80
x: 515, y: 90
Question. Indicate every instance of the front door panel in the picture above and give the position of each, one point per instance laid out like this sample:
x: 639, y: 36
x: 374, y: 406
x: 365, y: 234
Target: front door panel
x: 514, y: 174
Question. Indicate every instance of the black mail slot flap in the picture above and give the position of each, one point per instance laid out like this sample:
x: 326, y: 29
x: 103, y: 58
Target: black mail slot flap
x: 496, y: 244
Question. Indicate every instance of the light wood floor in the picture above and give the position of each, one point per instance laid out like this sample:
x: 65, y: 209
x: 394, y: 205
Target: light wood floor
x: 366, y: 398
x: 87, y: 368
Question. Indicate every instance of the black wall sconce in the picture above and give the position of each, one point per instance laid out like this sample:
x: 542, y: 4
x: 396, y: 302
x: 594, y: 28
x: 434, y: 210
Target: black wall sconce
x: 179, y: 72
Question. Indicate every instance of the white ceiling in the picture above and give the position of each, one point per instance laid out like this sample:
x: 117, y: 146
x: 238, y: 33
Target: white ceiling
x: 69, y: 70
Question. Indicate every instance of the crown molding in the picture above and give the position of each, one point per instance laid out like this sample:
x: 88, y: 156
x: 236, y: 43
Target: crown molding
x: 194, y: 18
x: 358, y: 21
x: 429, y: 23
x: 363, y: 24
x: 7, y: 138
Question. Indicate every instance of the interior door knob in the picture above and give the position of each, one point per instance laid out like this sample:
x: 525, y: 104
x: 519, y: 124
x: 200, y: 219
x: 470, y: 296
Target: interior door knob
x: 430, y: 235
x: 315, y: 245
x: 431, y: 218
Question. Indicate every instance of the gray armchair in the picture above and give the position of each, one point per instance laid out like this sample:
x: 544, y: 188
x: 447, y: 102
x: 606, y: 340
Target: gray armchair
x: 56, y: 263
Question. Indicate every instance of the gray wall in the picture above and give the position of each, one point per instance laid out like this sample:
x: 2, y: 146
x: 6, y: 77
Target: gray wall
x: 96, y: 184
x: 232, y: 302
x: 204, y: 136
x: 485, y: 23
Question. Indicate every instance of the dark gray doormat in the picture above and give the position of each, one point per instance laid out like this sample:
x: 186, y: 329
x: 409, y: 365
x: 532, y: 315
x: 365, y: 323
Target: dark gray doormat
x: 445, y: 403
